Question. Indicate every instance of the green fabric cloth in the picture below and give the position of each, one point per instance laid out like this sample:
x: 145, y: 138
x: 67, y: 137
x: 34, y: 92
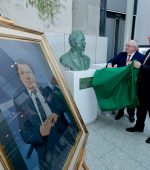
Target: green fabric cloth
x: 116, y: 88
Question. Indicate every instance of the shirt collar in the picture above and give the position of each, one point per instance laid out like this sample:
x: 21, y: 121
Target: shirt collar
x: 131, y: 55
x: 31, y: 93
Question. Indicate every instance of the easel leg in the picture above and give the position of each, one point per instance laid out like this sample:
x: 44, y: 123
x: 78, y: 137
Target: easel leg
x: 85, y: 166
x: 82, y: 164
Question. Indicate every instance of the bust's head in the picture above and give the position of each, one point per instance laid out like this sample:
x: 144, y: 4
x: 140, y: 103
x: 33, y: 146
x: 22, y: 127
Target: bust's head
x: 75, y: 59
x: 77, y: 41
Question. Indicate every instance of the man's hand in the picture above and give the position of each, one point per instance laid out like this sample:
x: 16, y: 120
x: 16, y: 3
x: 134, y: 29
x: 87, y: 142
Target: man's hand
x: 48, y: 124
x: 109, y: 65
x: 129, y: 62
x: 136, y: 64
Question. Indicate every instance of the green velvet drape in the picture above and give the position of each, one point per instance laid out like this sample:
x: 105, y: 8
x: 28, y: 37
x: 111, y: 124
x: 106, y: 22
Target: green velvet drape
x: 116, y: 88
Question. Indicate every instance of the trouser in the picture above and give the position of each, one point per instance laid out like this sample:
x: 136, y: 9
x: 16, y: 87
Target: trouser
x: 141, y: 116
x: 130, y: 111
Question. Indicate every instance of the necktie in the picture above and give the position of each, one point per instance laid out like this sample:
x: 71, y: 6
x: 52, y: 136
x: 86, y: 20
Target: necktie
x: 146, y: 58
x: 128, y: 59
x: 40, y: 107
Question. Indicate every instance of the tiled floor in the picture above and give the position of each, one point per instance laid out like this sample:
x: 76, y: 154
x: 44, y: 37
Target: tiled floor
x: 110, y: 147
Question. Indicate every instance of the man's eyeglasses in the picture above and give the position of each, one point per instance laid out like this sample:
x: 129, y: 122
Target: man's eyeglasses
x: 130, y: 46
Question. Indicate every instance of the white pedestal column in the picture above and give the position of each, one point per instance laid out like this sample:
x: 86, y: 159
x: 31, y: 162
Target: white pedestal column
x: 85, y: 99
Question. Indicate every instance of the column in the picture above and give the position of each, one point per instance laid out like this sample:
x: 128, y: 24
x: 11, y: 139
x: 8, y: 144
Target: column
x: 129, y: 19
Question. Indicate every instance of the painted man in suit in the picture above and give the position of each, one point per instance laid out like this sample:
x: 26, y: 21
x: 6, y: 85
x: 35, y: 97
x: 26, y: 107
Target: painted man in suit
x: 143, y: 93
x: 123, y: 59
x: 41, y: 117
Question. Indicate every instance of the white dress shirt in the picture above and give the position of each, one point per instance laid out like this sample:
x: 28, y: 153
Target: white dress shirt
x: 129, y: 58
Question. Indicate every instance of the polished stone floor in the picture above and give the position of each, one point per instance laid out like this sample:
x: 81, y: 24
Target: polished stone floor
x: 110, y: 147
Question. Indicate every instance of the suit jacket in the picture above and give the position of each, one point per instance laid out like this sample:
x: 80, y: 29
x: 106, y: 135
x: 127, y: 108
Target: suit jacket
x: 29, y: 121
x: 144, y: 82
x: 120, y: 59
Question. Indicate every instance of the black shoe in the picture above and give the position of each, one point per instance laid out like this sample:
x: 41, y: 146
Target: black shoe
x: 131, y: 119
x: 148, y: 140
x: 119, y: 116
x: 134, y: 129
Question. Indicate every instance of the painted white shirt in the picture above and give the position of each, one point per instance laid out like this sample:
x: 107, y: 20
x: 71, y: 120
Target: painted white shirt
x: 46, y: 108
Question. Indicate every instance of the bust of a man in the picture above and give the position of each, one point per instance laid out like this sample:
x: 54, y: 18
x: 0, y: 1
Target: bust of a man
x: 74, y: 59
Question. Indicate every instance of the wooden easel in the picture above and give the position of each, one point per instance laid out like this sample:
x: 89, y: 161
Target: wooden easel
x: 82, y: 165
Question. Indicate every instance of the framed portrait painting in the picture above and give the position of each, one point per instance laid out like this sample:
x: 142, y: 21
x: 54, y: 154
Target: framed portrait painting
x: 40, y: 126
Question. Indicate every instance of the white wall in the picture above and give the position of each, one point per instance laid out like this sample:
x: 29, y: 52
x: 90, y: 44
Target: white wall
x: 96, y: 47
x: 16, y: 10
x: 142, y: 26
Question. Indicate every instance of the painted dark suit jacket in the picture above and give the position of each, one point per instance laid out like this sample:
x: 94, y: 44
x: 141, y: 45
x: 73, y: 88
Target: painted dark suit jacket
x: 120, y: 59
x: 144, y: 82
x: 29, y: 121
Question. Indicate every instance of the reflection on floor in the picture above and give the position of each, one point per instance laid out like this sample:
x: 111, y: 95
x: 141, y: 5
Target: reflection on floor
x: 110, y: 147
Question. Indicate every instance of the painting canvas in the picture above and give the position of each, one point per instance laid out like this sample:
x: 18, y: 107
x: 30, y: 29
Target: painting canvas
x: 40, y: 126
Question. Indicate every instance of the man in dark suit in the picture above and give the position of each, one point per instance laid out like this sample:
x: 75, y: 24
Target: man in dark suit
x: 41, y: 117
x: 143, y: 94
x: 123, y: 59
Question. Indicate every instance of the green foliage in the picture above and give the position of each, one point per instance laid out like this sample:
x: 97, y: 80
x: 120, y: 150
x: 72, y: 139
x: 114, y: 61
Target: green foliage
x: 47, y: 8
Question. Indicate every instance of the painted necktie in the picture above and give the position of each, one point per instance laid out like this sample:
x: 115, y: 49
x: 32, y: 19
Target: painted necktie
x: 40, y: 107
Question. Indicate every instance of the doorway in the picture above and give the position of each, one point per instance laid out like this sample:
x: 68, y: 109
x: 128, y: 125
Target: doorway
x: 112, y: 24
x: 115, y: 27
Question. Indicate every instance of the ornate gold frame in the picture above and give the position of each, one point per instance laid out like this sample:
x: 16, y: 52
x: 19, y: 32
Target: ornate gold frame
x: 10, y: 31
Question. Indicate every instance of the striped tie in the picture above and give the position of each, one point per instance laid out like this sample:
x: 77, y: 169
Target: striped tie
x: 128, y: 59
